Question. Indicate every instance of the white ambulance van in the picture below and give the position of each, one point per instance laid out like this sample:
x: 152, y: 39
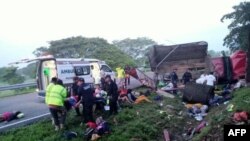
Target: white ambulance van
x: 66, y: 69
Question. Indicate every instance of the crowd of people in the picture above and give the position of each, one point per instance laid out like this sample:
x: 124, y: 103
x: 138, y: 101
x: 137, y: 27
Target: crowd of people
x: 81, y: 93
x: 172, y: 80
x: 107, y: 95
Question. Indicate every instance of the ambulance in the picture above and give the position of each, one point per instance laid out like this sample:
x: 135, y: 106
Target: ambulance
x: 66, y: 69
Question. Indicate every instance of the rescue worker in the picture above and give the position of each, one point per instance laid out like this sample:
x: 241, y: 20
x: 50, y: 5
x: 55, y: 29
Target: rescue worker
x: 174, y: 79
x: 120, y: 75
x: 87, y: 99
x: 187, y: 76
x: 48, y: 89
x: 55, y: 102
x: 112, y: 92
x: 102, y: 78
x: 127, y: 75
x: 74, y: 92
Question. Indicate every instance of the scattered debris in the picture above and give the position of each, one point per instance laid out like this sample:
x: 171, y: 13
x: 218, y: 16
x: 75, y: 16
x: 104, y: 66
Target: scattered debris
x: 230, y: 107
x: 192, y: 131
x: 241, y: 116
x: 165, y: 94
x: 166, y: 135
x: 69, y: 135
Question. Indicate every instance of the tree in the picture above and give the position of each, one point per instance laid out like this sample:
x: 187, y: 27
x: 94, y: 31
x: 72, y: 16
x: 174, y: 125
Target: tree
x: 29, y: 71
x: 213, y: 53
x: 79, y: 47
x: 136, y: 48
x: 239, y: 36
x: 10, y: 75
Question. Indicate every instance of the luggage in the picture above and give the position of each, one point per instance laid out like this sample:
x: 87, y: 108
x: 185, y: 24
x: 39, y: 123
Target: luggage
x: 197, y: 93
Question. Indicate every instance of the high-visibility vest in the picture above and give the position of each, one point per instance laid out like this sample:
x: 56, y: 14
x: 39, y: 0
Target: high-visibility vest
x: 120, y: 72
x: 48, y: 90
x: 56, y: 96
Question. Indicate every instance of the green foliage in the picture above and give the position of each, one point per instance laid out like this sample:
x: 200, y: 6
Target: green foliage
x: 10, y: 75
x: 16, y: 92
x: 29, y: 70
x: 239, y: 36
x: 78, y: 47
x: 136, y: 48
x: 239, y: 27
x: 242, y: 99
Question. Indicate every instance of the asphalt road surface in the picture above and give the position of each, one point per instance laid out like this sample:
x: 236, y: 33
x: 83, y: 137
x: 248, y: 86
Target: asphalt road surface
x: 32, y: 107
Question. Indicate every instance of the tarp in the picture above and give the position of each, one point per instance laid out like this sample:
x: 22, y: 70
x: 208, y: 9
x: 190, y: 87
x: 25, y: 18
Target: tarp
x: 238, y: 60
x: 218, y: 65
x: 142, y: 77
x: 237, y: 65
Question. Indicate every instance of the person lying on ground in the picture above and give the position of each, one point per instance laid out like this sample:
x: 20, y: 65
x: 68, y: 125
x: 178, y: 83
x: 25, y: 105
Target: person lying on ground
x: 9, y: 116
x: 130, y: 95
x: 169, y: 86
x: 142, y: 98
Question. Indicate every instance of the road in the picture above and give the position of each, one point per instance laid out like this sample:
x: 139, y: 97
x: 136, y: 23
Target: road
x: 33, y: 109
x: 26, y: 103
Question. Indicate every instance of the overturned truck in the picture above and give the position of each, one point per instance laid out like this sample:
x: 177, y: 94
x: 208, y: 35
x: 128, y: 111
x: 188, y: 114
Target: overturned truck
x: 192, y: 56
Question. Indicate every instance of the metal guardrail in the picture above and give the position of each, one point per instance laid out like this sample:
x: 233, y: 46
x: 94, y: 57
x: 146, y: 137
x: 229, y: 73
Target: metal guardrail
x: 17, y: 86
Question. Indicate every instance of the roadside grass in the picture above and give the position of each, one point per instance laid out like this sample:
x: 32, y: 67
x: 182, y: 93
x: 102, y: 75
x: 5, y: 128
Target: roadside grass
x: 142, y: 122
x: 219, y: 116
x: 16, y: 92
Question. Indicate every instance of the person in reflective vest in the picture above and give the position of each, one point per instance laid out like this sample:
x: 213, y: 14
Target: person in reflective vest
x: 55, y: 102
x: 120, y: 75
x: 48, y: 89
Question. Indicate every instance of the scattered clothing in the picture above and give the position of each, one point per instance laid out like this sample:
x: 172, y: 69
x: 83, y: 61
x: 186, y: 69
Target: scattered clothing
x: 217, y: 100
x: 239, y: 84
x: 69, y: 135
x: 198, y: 110
x: 242, y: 116
x: 142, y: 98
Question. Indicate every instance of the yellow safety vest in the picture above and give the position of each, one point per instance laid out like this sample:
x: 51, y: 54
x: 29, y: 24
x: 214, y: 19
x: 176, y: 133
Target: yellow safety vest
x: 56, y: 96
x: 120, y: 73
x: 48, y: 90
